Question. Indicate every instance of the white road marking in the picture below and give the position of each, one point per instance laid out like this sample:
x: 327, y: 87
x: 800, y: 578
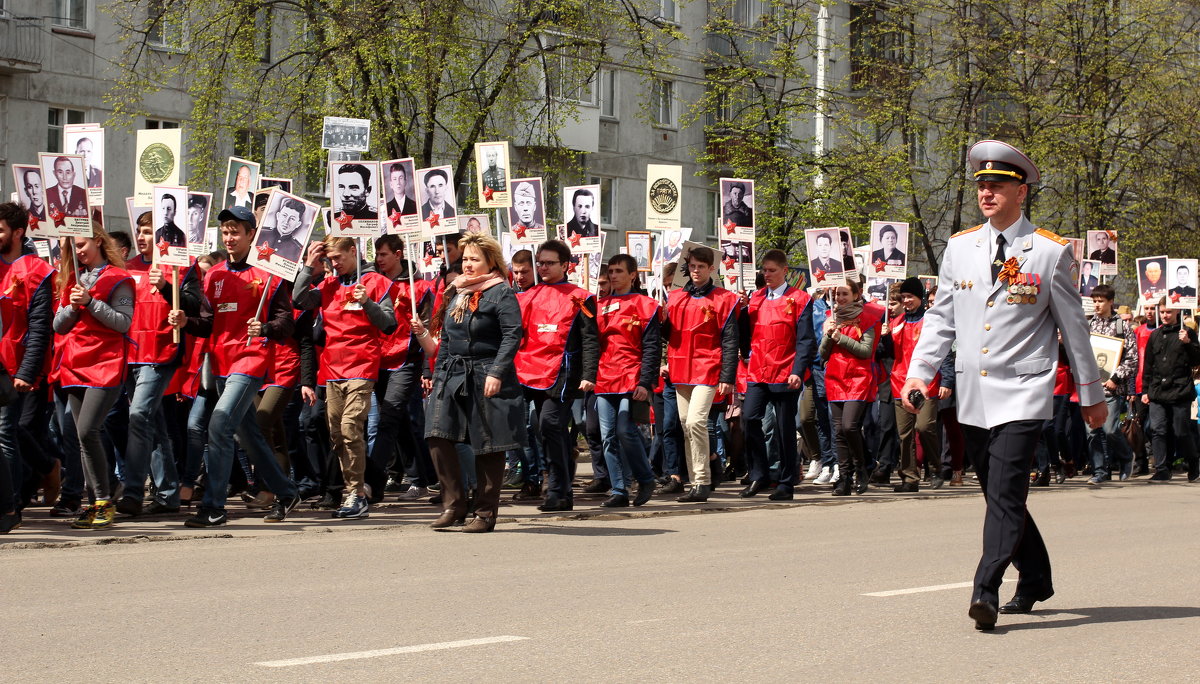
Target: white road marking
x: 642, y: 622
x: 335, y: 657
x: 922, y: 590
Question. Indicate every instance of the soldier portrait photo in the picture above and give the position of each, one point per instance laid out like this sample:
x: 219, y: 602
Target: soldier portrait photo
x: 27, y: 179
x: 64, y: 193
x: 354, y: 189
x: 737, y: 202
x: 1152, y: 277
x: 197, y: 216
x: 398, y: 192
x: 166, y: 227
x: 527, y: 211
x: 286, y: 226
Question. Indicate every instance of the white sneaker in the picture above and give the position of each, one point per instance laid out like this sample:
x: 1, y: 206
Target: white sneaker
x: 837, y: 475
x: 814, y: 469
x: 413, y: 493
x: 826, y: 473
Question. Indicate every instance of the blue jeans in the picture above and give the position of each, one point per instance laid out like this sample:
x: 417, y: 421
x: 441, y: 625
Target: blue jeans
x: 149, y: 445
x: 624, y: 448
x: 234, y: 414
x: 1107, y: 443
x: 197, y: 429
x: 672, y: 434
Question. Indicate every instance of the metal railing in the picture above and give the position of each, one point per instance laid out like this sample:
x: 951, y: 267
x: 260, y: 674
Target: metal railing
x: 22, y: 41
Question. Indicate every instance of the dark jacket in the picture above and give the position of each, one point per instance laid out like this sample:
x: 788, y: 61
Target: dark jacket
x: 1167, y: 370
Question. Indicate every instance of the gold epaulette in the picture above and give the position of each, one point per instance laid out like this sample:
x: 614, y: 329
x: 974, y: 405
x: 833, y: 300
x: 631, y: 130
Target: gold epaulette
x: 1052, y: 236
x: 969, y: 230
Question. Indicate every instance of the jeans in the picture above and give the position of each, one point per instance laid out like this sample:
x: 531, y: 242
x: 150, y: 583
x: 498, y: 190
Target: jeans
x: 197, y: 429
x: 396, y: 440
x: 672, y: 433
x: 1107, y: 443
x: 624, y: 448
x: 149, y: 448
x: 234, y: 414
x: 531, y: 454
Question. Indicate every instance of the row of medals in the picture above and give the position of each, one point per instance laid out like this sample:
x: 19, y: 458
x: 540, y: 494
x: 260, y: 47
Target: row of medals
x: 1023, y: 293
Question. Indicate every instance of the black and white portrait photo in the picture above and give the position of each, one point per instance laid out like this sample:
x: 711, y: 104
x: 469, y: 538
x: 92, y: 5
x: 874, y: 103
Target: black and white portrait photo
x: 824, y: 246
x: 168, y: 212
x: 1152, y: 278
x: 1102, y: 246
x: 63, y: 191
x: 528, y: 213
x: 491, y: 170
x: 398, y: 191
x: 87, y: 141
x: 27, y: 179
x: 889, y: 242
x: 354, y: 189
x: 737, y: 203
x: 1089, y: 276
x: 286, y: 226
x: 1181, y: 279
x: 199, y: 205
x: 435, y: 195
x: 637, y: 245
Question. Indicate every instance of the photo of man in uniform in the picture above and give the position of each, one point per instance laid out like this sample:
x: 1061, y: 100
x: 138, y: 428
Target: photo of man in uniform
x: 281, y: 232
x: 1087, y: 278
x: 889, y: 253
x: 1102, y: 250
x: 197, y: 219
x: 352, y: 184
x: 735, y: 208
x: 493, y: 174
x: 65, y: 196
x: 583, y: 201
x: 1150, y: 278
x: 92, y: 173
x: 824, y: 260
x: 31, y: 185
x: 1183, y: 282
x: 525, y: 211
x: 1102, y: 362
x: 398, y: 191
x: 438, y: 196
x: 168, y: 231
x: 848, y: 262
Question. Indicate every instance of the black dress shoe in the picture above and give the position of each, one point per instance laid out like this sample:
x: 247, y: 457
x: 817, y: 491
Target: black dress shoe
x: 753, y: 488
x: 553, y: 504
x: 672, y: 487
x: 842, y: 487
x: 597, y: 487
x: 984, y: 615
x: 782, y: 493
x: 645, y: 491
x: 906, y: 487
x: 1024, y: 603
x: 159, y: 508
x: 615, y: 501
x: 881, y: 476
x: 1042, y: 479
x: 698, y: 494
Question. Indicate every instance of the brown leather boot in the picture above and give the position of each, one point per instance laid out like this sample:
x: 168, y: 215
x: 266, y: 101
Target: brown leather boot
x: 448, y: 518
x: 956, y: 481
x: 480, y: 524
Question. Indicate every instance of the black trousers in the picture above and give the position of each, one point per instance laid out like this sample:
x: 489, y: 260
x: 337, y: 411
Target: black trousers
x: 754, y: 407
x: 396, y: 437
x: 1002, y: 457
x: 553, y: 419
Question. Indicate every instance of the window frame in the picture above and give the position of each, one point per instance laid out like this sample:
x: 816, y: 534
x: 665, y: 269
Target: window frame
x: 54, y: 131
x: 670, y: 97
x: 69, y: 22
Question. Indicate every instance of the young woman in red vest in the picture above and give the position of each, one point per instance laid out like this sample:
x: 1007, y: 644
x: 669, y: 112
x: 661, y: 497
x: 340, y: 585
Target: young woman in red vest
x: 476, y: 398
x: 780, y: 345
x: 630, y: 350
x: 848, y: 347
x: 356, y: 312
x: 701, y: 336
x: 557, y: 361
x: 94, y: 315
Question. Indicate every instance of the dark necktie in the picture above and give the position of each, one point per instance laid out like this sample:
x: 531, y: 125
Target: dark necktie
x: 998, y: 262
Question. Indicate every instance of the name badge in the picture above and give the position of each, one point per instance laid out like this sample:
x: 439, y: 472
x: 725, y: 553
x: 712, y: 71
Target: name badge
x: 353, y: 306
x: 899, y: 327
x: 547, y: 327
x: 611, y: 308
x: 227, y: 307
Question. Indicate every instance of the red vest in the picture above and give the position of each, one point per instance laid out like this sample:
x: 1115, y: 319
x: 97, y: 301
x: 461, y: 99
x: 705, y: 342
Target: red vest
x: 621, y: 321
x: 93, y: 354
x: 285, y: 361
x: 904, y: 339
x: 234, y: 296
x: 353, y: 345
x: 547, y: 313
x: 1141, y: 336
x: 396, y: 345
x: 18, y: 283
x: 694, y: 346
x: 773, y: 334
x: 150, y: 333
x: 848, y: 378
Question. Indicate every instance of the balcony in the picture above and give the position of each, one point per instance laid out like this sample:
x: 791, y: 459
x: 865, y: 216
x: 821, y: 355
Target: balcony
x: 22, y: 41
x: 742, y: 48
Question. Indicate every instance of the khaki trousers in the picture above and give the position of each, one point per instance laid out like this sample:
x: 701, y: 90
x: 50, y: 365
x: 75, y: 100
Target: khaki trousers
x: 347, y: 403
x: 925, y: 425
x: 695, y: 401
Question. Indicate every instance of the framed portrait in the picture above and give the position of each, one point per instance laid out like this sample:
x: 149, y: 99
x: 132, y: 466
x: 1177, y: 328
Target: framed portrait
x: 930, y: 282
x: 355, y: 200
x: 737, y: 265
x: 475, y: 223
x: 877, y: 288
x: 491, y: 175
x: 824, y: 248
x: 28, y: 180
x: 170, y: 240
x: 241, y: 180
x: 1108, y: 354
x: 1102, y: 246
x: 1089, y: 276
x: 667, y: 246
x: 286, y: 227
x: 64, y: 196
x: 737, y: 209
x: 637, y: 245
x: 527, y: 215
x: 339, y: 133
x: 438, y: 204
x: 1152, y: 278
x: 889, y: 250
x: 581, y: 208
x: 199, y: 205
x: 87, y: 141
x: 1181, y: 283
x: 400, y: 198
x: 1078, y: 248
x: 284, y: 184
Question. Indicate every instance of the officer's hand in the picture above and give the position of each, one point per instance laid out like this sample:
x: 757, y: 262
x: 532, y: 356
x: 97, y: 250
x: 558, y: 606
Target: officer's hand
x: 155, y: 277
x: 794, y: 381
x: 640, y: 394
x: 585, y: 386
x: 491, y: 386
x: 944, y: 392
x: 1095, y: 415
x: 910, y: 385
x: 725, y: 388
x: 309, y: 395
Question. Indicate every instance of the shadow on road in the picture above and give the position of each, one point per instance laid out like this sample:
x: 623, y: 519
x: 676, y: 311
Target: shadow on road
x: 534, y: 528
x: 1086, y: 616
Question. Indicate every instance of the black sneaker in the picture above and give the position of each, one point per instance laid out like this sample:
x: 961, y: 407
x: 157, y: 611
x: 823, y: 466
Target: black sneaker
x: 207, y: 517
x: 130, y: 505
x: 329, y: 501
x: 10, y: 522
x: 393, y: 486
x: 157, y: 508
x: 66, y: 509
x: 281, y: 507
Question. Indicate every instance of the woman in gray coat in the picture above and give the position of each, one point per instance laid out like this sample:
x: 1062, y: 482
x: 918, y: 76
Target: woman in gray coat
x: 476, y: 399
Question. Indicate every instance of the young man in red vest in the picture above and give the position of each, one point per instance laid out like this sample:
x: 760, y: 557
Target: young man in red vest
x: 701, y: 338
x: 229, y: 317
x: 629, y: 354
x: 153, y: 360
x: 356, y: 311
x: 26, y: 311
x: 779, y: 343
x: 557, y: 361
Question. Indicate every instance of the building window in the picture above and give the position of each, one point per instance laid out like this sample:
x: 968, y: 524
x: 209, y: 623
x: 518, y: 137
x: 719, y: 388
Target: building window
x: 608, y: 198
x: 748, y: 13
x: 877, y: 51
x: 263, y: 38
x: 570, y: 77
x: 662, y: 103
x: 608, y: 93
x: 712, y: 209
x: 250, y: 144
x: 668, y: 11
x: 164, y: 28
x: 71, y: 14
x: 161, y: 123
x: 55, y: 120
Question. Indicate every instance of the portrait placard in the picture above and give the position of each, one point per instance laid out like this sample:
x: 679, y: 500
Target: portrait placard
x: 824, y: 248
x: 667, y: 246
x: 67, y: 205
x: 849, y: 265
x: 439, y: 206
x: 475, y: 223
x: 930, y: 282
x: 87, y: 141
x: 1152, y: 278
x: 664, y: 195
x: 527, y: 215
x: 1089, y: 276
x: 355, y: 200
x: 170, y: 241
x: 889, y: 250
x: 737, y: 209
x: 492, y: 174
x: 1102, y: 247
x: 400, y: 199
x: 241, y: 180
x: 28, y: 180
x: 737, y: 265
x: 284, y: 184
x: 637, y: 245
x: 198, y: 207
x: 1079, y: 249
x: 338, y: 133
x: 877, y: 288
x: 1181, y: 276
x: 681, y: 264
x: 158, y: 157
x: 1089, y: 306
x: 581, y: 205
x: 861, y: 256
x: 285, y: 229
x: 1108, y: 354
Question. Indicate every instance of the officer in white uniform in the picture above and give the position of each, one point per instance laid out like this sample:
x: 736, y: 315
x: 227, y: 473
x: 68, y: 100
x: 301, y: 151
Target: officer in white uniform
x: 1006, y: 290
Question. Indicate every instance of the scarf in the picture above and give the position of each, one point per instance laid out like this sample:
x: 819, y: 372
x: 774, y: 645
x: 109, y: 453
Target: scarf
x: 844, y: 315
x: 467, y: 290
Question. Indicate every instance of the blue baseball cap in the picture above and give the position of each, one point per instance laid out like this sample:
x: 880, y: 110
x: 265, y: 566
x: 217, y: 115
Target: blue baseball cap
x: 238, y: 213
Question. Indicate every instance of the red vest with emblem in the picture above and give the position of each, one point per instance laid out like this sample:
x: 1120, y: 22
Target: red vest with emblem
x: 353, y: 345
x: 396, y: 345
x: 694, y: 347
x: 234, y: 296
x: 150, y: 332
x: 773, y: 334
x: 621, y: 321
x: 93, y: 354
x: 285, y: 361
x: 848, y: 378
x: 19, y: 281
x: 547, y: 313
x: 904, y: 339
